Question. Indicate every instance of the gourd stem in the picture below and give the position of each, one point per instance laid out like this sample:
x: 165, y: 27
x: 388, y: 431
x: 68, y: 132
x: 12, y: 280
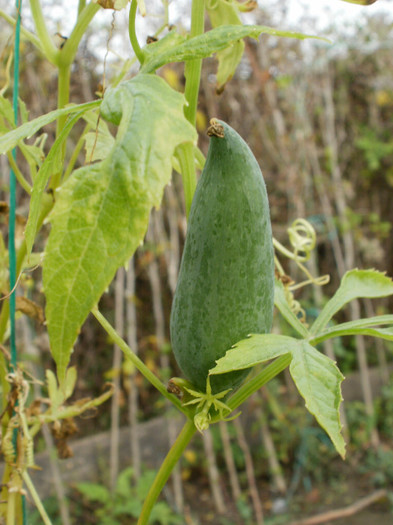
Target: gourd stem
x: 131, y: 30
x: 70, y: 48
x: 138, y: 363
x: 166, y: 468
x: 81, y: 6
x: 192, y: 69
x: 192, y: 73
x: 255, y: 383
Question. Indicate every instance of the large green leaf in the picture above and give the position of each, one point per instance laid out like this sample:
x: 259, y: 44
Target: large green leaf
x: 10, y: 140
x: 354, y: 284
x: 359, y: 327
x: 102, y: 210
x: 317, y: 378
x: 217, y: 39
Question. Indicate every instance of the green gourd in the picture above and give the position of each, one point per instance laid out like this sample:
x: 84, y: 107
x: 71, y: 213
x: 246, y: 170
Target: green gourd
x: 225, y: 288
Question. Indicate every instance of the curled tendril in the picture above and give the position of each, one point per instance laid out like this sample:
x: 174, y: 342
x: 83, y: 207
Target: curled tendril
x: 21, y: 454
x: 302, y: 238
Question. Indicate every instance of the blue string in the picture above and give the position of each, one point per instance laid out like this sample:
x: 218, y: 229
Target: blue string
x: 12, y: 220
x: 12, y: 213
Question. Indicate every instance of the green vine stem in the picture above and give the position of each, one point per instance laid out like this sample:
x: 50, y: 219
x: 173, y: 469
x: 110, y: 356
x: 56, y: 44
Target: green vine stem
x: 68, y: 51
x: 63, y: 95
x: 138, y: 363
x: 192, y: 74
x: 81, y: 6
x: 75, y: 153
x: 66, y: 57
x: 166, y: 468
x: 18, y: 174
x: 192, y: 70
x: 132, y: 32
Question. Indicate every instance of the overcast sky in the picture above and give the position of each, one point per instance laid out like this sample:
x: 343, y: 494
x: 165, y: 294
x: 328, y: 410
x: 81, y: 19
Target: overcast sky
x: 308, y: 16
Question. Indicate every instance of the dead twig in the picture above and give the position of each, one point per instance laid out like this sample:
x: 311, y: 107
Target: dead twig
x: 344, y: 512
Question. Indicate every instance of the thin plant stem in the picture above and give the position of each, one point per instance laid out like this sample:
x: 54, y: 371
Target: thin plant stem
x: 132, y: 32
x: 27, y: 35
x: 75, y: 153
x: 192, y: 71
x: 18, y: 174
x: 63, y: 96
x: 29, y: 484
x: 192, y: 74
x: 68, y: 51
x: 81, y: 6
x: 165, y: 470
x: 47, y: 45
x: 138, y: 363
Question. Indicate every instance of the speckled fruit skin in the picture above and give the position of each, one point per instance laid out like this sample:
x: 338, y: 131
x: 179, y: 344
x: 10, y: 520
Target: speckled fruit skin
x: 225, y: 288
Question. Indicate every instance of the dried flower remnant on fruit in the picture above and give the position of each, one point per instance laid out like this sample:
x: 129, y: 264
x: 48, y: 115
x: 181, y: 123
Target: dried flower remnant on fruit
x: 215, y: 129
x: 172, y: 388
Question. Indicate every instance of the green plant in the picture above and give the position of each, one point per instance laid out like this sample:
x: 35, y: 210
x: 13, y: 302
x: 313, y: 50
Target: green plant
x: 99, y: 214
x: 126, y: 500
x: 384, y: 409
x: 360, y: 424
x: 379, y: 464
x: 52, y: 508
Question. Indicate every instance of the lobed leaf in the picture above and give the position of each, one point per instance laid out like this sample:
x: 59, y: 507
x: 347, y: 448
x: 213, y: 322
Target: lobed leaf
x: 355, y: 284
x: 359, y: 327
x: 316, y: 376
x: 102, y: 210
